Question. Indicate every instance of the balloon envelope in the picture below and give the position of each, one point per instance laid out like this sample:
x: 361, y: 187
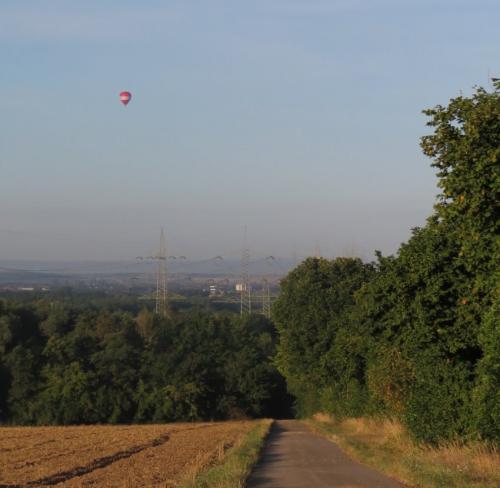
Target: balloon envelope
x: 125, y: 97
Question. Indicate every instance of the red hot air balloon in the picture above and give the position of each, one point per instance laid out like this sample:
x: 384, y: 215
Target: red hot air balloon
x: 125, y: 97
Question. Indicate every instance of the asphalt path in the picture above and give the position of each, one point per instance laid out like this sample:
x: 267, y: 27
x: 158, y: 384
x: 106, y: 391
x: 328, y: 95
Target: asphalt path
x: 294, y: 457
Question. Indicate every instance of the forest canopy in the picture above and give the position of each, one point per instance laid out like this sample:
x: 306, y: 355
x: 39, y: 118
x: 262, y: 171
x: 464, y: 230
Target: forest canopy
x: 66, y: 365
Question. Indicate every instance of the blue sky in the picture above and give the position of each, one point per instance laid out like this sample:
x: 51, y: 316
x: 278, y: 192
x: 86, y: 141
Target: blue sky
x: 298, y: 118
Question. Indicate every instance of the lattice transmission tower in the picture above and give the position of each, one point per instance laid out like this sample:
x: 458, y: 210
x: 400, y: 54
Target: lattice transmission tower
x: 266, y: 293
x: 161, y: 307
x: 245, y: 290
x: 266, y: 298
x: 161, y: 295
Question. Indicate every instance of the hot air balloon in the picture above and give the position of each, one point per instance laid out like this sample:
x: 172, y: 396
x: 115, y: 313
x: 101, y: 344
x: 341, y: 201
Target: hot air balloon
x: 125, y: 97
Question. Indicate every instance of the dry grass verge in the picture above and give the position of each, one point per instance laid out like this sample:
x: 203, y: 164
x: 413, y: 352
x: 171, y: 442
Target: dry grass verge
x: 385, y: 445
x: 231, y: 469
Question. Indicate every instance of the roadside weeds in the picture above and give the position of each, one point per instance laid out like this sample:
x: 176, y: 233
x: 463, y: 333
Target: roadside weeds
x: 385, y: 445
x: 230, y: 466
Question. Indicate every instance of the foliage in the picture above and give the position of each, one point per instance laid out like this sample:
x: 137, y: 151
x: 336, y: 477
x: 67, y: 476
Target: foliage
x: 310, y: 316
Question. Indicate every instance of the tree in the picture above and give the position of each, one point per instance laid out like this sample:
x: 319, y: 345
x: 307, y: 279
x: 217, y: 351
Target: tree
x: 465, y: 147
x: 117, y: 365
x: 67, y: 397
x: 23, y: 367
x: 310, y: 314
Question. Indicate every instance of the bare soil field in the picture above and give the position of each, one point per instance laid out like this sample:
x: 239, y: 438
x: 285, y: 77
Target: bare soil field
x: 112, y: 456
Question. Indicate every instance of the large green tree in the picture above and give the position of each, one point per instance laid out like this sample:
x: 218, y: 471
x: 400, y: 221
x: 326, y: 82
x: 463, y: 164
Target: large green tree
x: 465, y: 148
x: 311, y: 315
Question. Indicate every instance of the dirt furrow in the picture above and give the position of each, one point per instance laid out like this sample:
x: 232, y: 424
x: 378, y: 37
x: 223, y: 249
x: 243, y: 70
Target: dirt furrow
x: 95, y: 464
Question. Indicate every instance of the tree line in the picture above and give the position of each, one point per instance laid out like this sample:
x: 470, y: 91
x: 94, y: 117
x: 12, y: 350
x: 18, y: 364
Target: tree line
x: 64, y: 364
x: 416, y: 335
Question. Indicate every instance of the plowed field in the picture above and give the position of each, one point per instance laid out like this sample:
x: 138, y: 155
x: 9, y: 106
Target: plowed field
x: 112, y: 456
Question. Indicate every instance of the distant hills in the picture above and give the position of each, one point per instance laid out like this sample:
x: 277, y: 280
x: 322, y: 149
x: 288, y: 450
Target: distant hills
x: 50, y: 272
x: 19, y: 277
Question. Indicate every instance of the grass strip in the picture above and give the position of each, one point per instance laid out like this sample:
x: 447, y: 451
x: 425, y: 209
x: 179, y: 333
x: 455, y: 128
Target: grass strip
x: 235, y: 467
x: 387, y: 447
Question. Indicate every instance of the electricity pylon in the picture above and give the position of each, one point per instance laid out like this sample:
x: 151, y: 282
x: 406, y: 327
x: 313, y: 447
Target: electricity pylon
x: 266, y: 298
x: 161, y: 307
x: 161, y: 295
x: 266, y: 294
x: 246, y: 292
x: 317, y: 251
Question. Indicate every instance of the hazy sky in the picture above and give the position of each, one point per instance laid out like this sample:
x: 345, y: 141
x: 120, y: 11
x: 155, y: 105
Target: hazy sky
x: 298, y: 118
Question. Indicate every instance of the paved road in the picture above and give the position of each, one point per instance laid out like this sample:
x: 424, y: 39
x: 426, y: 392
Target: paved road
x: 294, y: 457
